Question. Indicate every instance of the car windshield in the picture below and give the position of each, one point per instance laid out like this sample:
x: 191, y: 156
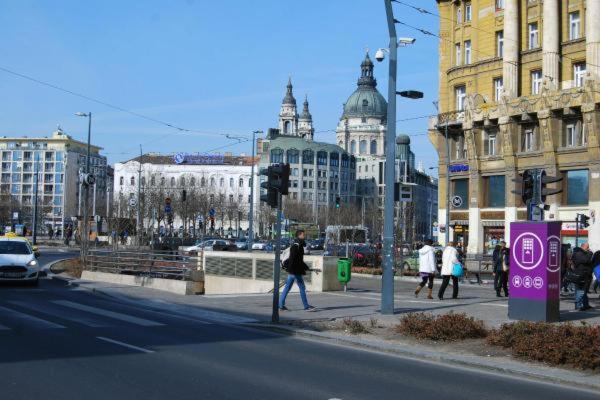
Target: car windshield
x: 10, y: 247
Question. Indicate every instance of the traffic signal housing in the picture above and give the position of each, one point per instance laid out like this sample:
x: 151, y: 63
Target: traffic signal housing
x: 270, y: 197
x: 528, y: 187
x: 337, y: 201
x: 277, y: 182
x: 543, y: 190
x: 583, y: 220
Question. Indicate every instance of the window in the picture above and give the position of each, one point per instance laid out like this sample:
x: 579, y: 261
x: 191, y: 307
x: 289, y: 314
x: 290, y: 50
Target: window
x: 293, y: 156
x: 467, y: 52
x: 193, y: 182
x: 461, y: 189
x: 182, y: 181
x: 534, y: 41
x: 308, y: 157
x: 574, y: 135
x: 276, y: 156
x: 500, y: 44
x: 490, y: 142
x: 230, y: 182
x: 172, y: 181
x: 353, y: 146
x: 373, y: 147
x: 499, y: 5
x: 458, y: 15
x: 321, y: 158
x: 162, y: 181
x: 577, y: 187
x: 498, y: 88
x: 362, y: 147
x: 458, y: 54
x: 152, y: 180
x: 528, y: 140
x: 570, y: 135
x: 468, y: 12
x: 230, y: 199
x: 132, y: 181
x: 287, y: 127
x: 241, y: 183
x: 334, y: 159
x: 495, y: 191
x: 578, y: 73
x: 202, y: 182
x: 221, y: 182
x: 461, y: 94
x: 574, y: 25
x: 536, y: 82
x: 143, y: 181
x: 121, y: 181
x: 460, y: 150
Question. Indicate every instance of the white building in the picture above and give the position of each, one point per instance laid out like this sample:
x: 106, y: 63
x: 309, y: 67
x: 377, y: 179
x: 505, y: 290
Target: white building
x: 212, y: 182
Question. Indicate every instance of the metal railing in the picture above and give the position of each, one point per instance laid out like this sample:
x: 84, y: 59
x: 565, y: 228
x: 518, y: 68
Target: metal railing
x: 155, y: 264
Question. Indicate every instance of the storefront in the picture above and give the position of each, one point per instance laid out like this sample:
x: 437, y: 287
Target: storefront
x: 460, y: 228
x: 569, y: 234
x: 493, y: 234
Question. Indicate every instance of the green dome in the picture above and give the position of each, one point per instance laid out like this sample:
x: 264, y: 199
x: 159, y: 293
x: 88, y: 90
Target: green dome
x: 366, y: 101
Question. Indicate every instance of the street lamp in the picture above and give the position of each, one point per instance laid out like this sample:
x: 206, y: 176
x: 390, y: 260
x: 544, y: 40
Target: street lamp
x: 387, y: 281
x: 447, y: 227
x: 86, y: 181
x: 251, y: 216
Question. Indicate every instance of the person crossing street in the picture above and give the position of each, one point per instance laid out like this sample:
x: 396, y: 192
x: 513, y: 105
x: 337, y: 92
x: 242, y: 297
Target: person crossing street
x: 296, y: 268
x: 426, y: 268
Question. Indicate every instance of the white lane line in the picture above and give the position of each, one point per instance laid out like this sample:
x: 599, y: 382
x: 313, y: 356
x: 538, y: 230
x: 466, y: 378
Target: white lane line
x: 30, y: 320
x: 493, y: 304
x: 45, y: 310
x: 109, y: 314
x: 129, y: 346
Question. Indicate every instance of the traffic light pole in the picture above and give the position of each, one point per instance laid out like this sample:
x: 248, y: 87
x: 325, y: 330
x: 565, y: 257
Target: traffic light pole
x: 277, y: 263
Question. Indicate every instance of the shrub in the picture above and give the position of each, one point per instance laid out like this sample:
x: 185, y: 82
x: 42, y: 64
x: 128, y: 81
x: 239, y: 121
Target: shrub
x: 554, y: 344
x: 366, y: 270
x: 353, y: 326
x: 447, y: 327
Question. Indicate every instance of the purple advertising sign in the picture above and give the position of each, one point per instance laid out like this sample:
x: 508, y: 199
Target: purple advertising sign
x: 535, y: 270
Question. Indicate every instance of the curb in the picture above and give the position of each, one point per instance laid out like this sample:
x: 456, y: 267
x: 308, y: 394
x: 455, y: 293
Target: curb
x: 513, y: 369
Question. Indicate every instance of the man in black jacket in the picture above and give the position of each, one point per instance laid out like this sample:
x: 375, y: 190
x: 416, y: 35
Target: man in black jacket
x: 582, y: 273
x: 296, y: 268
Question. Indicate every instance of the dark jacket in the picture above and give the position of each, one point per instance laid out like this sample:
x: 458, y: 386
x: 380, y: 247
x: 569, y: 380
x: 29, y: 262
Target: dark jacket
x: 296, y: 265
x: 582, y: 264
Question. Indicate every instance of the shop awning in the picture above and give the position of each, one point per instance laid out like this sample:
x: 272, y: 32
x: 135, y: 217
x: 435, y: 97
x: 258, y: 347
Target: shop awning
x: 459, y: 222
x: 493, y: 223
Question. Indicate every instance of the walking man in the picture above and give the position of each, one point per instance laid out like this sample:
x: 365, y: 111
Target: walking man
x: 426, y: 268
x: 296, y: 268
x: 449, y: 258
x: 582, y: 270
x: 501, y: 262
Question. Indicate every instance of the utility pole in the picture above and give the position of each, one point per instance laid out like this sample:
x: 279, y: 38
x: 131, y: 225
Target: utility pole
x: 140, y: 225
x: 35, y: 198
x: 251, y: 215
x: 87, y: 180
x: 277, y: 263
x: 387, y: 282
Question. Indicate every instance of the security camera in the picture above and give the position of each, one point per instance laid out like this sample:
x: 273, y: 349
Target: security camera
x: 380, y: 55
x: 405, y: 41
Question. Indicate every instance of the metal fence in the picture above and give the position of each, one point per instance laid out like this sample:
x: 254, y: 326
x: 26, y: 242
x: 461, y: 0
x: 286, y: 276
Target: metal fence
x: 235, y: 267
x: 156, y: 264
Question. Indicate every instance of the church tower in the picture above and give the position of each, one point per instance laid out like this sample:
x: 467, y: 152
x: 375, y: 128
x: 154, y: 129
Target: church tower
x: 305, y: 125
x: 288, y: 116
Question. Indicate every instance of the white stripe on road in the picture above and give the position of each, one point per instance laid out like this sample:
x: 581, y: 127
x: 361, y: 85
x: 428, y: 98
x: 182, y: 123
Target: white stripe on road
x: 493, y: 304
x: 44, y: 310
x: 129, y: 346
x: 107, y: 313
x: 30, y: 320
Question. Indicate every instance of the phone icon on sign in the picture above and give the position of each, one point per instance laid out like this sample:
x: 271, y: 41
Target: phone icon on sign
x: 527, y: 256
x: 553, y: 254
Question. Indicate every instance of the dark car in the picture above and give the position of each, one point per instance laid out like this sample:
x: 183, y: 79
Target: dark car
x: 317, y: 244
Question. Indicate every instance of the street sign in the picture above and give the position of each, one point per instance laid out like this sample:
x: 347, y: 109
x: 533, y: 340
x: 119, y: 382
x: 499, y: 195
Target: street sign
x: 168, y: 208
x: 211, y: 212
x: 132, y: 202
x: 457, y: 201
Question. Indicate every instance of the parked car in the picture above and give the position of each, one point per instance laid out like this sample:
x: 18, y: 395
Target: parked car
x: 317, y: 244
x: 259, y: 245
x: 18, y: 261
x: 242, y: 244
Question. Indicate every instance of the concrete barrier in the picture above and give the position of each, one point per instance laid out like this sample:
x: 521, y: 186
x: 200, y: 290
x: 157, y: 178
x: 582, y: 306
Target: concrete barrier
x: 243, y: 272
x: 169, y: 285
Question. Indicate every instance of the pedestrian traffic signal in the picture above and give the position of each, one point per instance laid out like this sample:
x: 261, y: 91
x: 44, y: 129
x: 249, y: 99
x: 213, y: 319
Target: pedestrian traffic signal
x: 583, y: 220
x: 544, y: 191
x: 337, y: 201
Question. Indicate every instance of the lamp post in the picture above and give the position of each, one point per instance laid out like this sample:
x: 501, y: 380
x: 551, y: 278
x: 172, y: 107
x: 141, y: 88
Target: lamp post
x: 251, y: 215
x: 86, y: 200
x: 447, y: 227
x: 387, y: 281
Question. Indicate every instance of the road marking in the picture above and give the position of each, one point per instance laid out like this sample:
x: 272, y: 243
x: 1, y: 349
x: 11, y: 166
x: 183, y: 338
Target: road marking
x: 35, y: 322
x: 493, y: 304
x: 44, y: 310
x: 129, y: 346
x: 200, y: 314
x: 107, y: 313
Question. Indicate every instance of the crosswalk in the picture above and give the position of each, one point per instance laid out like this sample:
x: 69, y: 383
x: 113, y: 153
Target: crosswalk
x: 32, y: 314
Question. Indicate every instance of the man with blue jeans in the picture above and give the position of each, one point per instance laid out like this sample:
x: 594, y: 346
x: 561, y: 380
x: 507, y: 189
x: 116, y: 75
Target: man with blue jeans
x: 296, y: 269
x: 582, y: 270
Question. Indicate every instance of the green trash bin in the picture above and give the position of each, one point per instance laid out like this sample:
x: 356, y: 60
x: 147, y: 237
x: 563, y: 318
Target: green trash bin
x: 344, y: 271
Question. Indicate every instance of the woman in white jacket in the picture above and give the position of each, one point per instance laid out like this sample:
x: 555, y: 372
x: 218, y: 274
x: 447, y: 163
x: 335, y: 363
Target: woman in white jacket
x: 449, y: 258
x: 426, y: 268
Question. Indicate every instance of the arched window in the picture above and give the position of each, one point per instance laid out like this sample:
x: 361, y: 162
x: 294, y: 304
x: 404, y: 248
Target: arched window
x: 202, y: 182
x: 308, y: 157
x: 241, y: 183
x: 121, y: 181
x: 193, y: 182
x: 373, y: 146
x: 132, y: 181
x: 152, y: 180
x: 322, y: 158
x: 362, y: 147
x: 230, y: 182
x: 221, y: 182
x: 276, y: 156
x: 353, y: 146
x: 287, y: 127
x: 334, y: 159
x: 293, y: 156
x: 345, y: 160
x: 172, y: 181
x: 182, y: 180
x: 212, y: 182
x: 365, y: 105
x: 162, y: 181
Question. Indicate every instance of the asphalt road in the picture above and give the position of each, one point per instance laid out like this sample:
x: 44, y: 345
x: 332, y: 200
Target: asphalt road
x: 57, y: 341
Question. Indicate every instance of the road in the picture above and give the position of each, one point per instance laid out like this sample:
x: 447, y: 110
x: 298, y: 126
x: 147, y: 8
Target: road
x: 58, y: 341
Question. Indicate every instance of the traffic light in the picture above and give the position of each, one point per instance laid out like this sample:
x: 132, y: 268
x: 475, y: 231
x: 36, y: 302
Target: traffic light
x: 278, y: 181
x: 544, y: 191
x: 271, y: 196
x: 337, y: 201
x: 583, y: 220
x: 527, y: 190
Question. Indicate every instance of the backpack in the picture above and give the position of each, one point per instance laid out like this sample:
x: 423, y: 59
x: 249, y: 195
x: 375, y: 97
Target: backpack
x: 285, y: 257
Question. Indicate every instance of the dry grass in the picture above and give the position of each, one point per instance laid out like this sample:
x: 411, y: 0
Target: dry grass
x: 71, y: 266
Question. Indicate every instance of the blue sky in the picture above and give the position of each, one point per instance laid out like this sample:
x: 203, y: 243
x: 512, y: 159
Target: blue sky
x: 211, y: 66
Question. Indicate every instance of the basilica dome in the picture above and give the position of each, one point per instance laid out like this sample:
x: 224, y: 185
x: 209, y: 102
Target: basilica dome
x: 366, y: 101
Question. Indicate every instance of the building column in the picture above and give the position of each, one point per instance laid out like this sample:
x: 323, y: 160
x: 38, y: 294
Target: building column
x: 550, y: 45
x: 591, y: 119
x: 510, y: 70
x: 592, y: 39
x: 475, y: 245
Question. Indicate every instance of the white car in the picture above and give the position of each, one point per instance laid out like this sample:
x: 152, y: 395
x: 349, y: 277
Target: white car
x: 259, y: 245
x: 18, y: 261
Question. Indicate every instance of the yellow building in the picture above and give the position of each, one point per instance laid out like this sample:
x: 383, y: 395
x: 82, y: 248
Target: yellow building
x: 519, y: 89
